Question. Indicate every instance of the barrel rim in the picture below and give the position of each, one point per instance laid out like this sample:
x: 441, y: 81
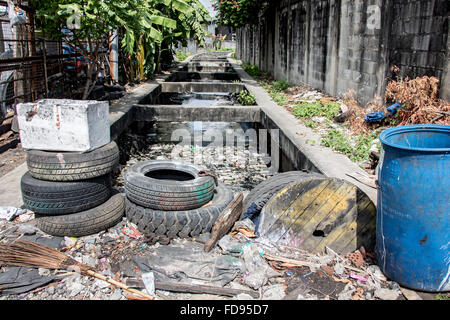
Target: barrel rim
x: 419, y: 127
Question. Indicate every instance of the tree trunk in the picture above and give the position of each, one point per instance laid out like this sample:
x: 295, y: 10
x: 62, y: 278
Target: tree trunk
x: 89, y: 84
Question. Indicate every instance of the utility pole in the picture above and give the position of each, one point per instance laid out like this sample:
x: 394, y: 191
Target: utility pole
x: 114, y: 55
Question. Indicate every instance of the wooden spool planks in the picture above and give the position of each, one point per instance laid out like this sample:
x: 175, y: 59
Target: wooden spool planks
x: 320, y: 212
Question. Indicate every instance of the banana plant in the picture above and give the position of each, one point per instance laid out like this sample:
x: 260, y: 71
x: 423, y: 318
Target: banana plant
x: 164, y: 23
x: 146, y: 25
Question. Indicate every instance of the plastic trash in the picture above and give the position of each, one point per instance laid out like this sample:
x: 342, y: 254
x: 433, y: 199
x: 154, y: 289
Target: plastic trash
x: 258, y: 270
x: 10, y: 213
x: 15, y: 14
x: 379, y: 116
x: 131, y: 232
x: 357, y: 277
x: 275, y: 292
x: 375, y: 117
x: 149, y: 282
x: 230, y: 244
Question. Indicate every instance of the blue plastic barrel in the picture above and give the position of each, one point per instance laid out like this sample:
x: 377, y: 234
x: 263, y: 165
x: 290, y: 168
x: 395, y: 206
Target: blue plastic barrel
x: 413, y: 234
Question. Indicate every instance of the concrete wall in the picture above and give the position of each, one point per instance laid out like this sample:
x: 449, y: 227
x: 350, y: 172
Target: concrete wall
x: 337, y: 45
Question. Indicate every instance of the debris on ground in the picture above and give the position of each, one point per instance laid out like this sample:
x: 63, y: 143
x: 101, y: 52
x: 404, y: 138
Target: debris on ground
x: 419, y: 97
x: 238, y: 267
x: 11, y: 159
x: 10, y: 213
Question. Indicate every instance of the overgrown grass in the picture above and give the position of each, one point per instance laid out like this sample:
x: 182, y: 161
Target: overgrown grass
x: 311, y: 124
x: 307, y: 110
x: 277, y: 95
x: 281, y: 85
x: 251, y: 69
x: 356, y: 148
x: 357, y: 151
x: 443, y: 296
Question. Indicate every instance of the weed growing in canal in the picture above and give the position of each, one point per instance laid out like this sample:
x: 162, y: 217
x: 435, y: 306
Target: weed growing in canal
x: 181, y: 56
x: 244, y: 98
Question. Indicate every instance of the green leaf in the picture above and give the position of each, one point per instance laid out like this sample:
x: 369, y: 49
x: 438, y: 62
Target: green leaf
x: 165, y: 22
x: 181, y: 6
x: 155, y: 34
x: 128, y: 41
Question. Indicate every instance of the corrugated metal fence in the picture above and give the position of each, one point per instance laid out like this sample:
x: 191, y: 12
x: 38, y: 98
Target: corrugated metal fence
x: 31, y: 66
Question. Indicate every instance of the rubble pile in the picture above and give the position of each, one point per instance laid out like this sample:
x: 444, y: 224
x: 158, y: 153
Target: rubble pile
x: 241, y: 267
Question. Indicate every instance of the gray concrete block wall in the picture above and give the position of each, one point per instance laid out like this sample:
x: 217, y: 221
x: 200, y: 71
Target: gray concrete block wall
x: 338, y: 45
x: 419, y: 37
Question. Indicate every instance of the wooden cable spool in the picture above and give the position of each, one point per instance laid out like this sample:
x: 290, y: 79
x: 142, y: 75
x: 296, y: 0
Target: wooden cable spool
x: 319, y: 212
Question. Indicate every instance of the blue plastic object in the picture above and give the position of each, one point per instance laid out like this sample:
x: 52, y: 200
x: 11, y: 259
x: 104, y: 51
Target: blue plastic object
x: 375, y: 117
x: 413, y: 230
x: 393, y: 109
x: 378, y: 116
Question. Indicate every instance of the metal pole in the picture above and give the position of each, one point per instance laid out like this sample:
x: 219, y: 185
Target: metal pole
x: 44, y: 56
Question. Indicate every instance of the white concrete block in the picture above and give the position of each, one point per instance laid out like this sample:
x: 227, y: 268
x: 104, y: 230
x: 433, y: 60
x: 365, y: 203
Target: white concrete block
x: 64, y: 125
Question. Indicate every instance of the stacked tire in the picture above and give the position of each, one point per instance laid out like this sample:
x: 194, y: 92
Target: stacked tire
x: 173, y: 199
x: 71, y: 193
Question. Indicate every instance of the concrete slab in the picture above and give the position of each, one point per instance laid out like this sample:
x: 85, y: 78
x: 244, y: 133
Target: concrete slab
x: 121, y: 112
x: 197, y: 113
x: 181, y: 87
x: 120, y: 117
x: 184, y: 76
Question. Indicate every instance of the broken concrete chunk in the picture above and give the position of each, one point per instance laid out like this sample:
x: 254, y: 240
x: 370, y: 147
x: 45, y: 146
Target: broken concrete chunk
x: 386, y: 294
x: 64, y: 125
x: 74, y: 289
x: 243, y: 296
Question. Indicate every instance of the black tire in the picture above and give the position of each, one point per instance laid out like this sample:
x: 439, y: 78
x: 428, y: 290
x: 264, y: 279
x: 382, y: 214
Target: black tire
x: 183, y: 224
x: 84, y: 223
x: 168, y: 194
x: 69, y: 166
x: 258, y: 197
x: 55, y: 198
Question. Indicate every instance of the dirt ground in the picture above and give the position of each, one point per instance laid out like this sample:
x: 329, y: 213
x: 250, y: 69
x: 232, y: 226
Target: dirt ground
x: 11, y: 159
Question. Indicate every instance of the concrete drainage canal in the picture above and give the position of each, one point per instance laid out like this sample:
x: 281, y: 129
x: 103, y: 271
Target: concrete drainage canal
x: 189, y: 119
x: 194, y: 162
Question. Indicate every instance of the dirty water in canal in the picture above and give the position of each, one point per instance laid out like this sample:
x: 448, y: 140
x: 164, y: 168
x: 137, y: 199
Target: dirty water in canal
x: 213, y: 145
